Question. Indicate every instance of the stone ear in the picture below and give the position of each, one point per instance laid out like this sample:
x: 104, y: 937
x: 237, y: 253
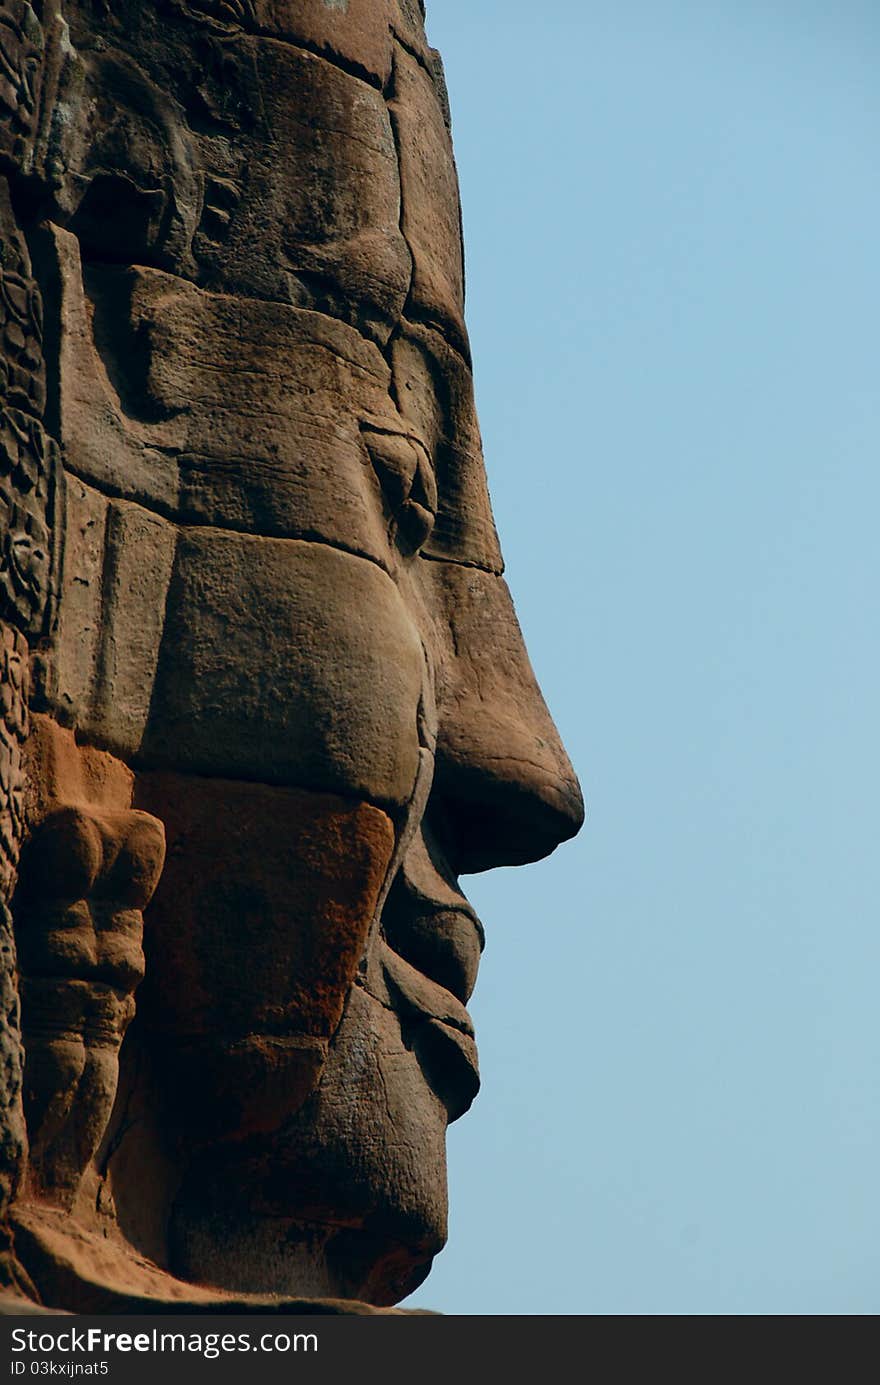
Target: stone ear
x: 63, y: 858
x: 134, y: 854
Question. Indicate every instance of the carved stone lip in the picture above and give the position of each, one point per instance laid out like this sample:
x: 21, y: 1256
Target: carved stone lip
x: 441, y: 1029
x: 423, y: 996
x: 443, y: 944
x: 450, y: 1059
x: 429, y: 922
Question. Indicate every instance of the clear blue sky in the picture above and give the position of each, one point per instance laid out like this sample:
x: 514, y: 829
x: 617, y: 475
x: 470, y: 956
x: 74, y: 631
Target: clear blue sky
x: 672, y: 223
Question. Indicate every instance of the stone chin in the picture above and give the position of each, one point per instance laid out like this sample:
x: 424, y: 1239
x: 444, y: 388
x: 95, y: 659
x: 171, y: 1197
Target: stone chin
x: 347, y: 1200
x: 310, y: 1139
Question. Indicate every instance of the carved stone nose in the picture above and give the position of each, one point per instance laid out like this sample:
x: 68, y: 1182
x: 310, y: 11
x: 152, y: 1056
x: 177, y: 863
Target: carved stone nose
x: 504, y: 786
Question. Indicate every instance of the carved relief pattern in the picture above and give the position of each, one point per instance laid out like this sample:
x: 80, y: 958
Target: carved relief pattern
x: 29, y: 458
x: 28, y: 486
x: 13, y: 729
x: 84, y: 880
x: 21, y: 50
x: 22, y: 371
x: 220, y: 16
x: 29, y: 472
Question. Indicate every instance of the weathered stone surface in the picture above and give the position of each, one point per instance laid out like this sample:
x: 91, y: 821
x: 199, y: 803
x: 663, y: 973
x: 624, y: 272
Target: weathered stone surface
x: 369, y: 1211
x: 29, y: 562
x: 262, y: 404
x: 101, y: 445
x: 119, y: 563
x: 88, y: 869
x: 21, y: 73
x: 429, y: 922
x: 29, y: 466
x: 250, y: 603
x: 430, y: 214
x: 288, y: 662
x: 205, y: 186
x: 294, y: 878
x: 357, y: 33
x: 60, y: 770
x: 156, y: 651
x: 13, y: 730
x: 22, y: 367
x: 93, y: 1275
x: 436, y: 393
x: 196, y: 424
x: 76, y: 666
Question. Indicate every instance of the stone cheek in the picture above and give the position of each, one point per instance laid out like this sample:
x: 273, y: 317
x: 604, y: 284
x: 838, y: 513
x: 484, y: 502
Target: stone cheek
x: 327, y: 675
x: 253, y: 941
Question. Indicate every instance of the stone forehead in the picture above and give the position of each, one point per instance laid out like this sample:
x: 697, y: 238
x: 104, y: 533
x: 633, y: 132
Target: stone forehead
x: 358, y: 33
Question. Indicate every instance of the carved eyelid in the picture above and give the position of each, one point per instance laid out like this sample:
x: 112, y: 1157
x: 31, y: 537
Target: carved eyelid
x: 405, y: 471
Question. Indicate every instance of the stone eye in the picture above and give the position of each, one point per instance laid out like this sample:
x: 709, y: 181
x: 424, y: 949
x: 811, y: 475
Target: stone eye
x: 406, y: 476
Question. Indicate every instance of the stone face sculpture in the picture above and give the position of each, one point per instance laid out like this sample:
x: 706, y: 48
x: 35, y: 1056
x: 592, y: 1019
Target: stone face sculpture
x: 254, y: 627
